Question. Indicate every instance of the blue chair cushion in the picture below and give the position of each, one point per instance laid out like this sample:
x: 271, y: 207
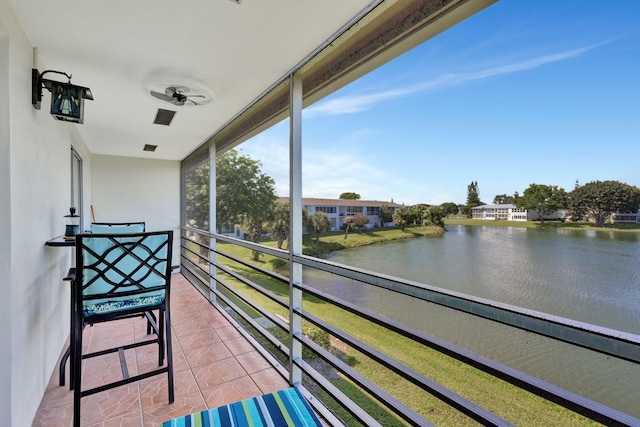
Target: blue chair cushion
x: 90, y: 308
x: 115, y: 229
x: 115, y: 271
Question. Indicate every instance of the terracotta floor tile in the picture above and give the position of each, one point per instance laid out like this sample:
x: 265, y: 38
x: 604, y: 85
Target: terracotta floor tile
x: 109, y: 404
x: 182, y: 406
x: 190, y: 327
x: 105, y: 369
x: 202, y: 338
x: 228, y: 333
x: 269, y: 380
x: 130, y: 419
x: 238, y: 346
x: 206, y: 355
x: 154, y: 390
x: 253, y: 362
x: 218, y: 372
x: 231, y: 391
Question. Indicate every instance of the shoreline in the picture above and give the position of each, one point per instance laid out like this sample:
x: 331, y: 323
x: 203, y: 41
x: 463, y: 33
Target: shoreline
x: 567, y: 225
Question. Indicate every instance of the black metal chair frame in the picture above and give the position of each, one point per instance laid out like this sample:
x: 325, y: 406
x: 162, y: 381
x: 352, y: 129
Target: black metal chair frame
x: 125, y: 244
x: 121, y: 224
x: 65, y: 357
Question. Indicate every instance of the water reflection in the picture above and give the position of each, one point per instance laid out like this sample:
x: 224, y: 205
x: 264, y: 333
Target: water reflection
x: 591, y: 276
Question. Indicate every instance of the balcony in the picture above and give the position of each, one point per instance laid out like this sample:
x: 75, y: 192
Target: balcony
x: 240, y: 329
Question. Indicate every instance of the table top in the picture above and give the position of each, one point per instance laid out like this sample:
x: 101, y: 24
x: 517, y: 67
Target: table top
x: 61, y: 241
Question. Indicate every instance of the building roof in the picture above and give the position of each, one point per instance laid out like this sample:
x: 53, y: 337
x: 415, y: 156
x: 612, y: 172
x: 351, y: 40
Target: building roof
x: 310, y: 201
x: 502, y: 206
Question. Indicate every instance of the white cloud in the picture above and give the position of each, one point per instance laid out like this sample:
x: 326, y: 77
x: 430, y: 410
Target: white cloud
x: 356, y: 103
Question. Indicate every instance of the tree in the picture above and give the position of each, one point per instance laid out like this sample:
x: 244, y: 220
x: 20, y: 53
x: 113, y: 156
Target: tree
x: 543, y: 199
x: 473, y: 195
x: 320, y: 222
x: 473, y: 198
x: 279, y: 223
x: 347, y: 223
x: 416, y: 212
x: 434, y: 216
x: 602, y: 198
x: 449, y: 208
x: 245, y: 195
x: 400, y: 217
x: 502, y: 199
x: 197, y: 197
x: 386, y: 213
x: 350, y: 196
x: 576, y: 211
x: 360, y: 220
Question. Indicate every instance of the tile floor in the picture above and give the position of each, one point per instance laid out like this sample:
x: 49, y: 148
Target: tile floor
x: 213, y: 365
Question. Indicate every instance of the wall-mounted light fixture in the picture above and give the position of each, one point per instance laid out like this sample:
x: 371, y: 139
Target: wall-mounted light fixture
x: 66, y: 99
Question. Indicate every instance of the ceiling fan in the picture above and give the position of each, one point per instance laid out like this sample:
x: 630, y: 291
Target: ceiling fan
x: 179, y: 95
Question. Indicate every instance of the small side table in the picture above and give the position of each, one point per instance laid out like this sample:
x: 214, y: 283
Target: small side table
x: 61, y: 242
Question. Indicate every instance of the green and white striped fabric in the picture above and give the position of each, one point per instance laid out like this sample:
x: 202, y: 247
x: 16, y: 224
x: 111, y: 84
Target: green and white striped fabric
x: 284, y: 408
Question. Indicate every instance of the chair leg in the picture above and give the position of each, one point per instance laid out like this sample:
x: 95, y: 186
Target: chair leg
x: 169, y: 346
x: 161, y: 336
x: 75, y: 369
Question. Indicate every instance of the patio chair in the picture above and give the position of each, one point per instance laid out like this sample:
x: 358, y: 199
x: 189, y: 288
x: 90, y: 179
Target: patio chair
x: 119, y: 276
x: 104, y: 228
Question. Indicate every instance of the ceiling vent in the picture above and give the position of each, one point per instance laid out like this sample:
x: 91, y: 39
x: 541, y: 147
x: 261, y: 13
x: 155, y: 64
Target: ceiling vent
x: 164, y: 117
x: 149, y: 147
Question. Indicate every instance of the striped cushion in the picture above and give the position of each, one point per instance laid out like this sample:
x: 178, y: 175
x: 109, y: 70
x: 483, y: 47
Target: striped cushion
x: 283, y: 408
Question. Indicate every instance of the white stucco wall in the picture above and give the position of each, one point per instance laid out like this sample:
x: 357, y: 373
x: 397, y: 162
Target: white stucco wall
x: 5, y: 226
x: 34, y: 196
x: 134, y: 189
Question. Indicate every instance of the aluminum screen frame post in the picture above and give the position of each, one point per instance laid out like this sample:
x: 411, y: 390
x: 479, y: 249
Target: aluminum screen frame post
x: 295, y: 225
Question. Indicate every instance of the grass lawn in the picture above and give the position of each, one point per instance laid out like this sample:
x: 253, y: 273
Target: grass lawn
x: 505, y: 400
x: 335, y: 240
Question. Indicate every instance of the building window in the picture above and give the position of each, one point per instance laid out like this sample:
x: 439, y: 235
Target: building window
x: 326, y: 209
x: 76, y: 182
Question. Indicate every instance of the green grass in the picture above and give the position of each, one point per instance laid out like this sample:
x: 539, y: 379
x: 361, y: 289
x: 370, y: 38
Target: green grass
x: 505, y: 400
x: 334, y: 241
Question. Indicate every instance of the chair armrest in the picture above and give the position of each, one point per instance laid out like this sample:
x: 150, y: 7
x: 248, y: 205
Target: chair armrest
x: 71, y: 275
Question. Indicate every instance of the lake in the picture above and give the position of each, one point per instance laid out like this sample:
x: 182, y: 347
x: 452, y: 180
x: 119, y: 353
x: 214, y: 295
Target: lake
x: 590, y: 276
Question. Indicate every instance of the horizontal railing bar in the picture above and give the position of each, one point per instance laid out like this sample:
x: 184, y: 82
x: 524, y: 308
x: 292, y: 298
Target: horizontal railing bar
x: 190, y: 269
x: 451, y: 398
x: 338, y: 395
x: 279, y: 253
x: 269, y: 273
x: 565, y: 398
x: 274, y: 341
x: 252, y: 285
x: 274, y: 319
x: 603, y: 340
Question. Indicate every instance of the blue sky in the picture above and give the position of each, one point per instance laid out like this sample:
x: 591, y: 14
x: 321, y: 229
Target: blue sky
x: 544, y: 92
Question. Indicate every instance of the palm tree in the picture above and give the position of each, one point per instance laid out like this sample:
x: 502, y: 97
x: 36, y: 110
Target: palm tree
x: 279, y: 223
x: 320, y: 222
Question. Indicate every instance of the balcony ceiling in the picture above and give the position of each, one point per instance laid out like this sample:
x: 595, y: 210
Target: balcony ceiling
x: 122, y: 49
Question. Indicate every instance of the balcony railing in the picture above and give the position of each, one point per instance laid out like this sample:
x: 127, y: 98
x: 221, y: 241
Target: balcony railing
x: 378, y: 381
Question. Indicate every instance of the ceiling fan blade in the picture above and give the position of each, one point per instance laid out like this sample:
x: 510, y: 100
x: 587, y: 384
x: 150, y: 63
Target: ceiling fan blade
x: 161, y: 96
x: 195, y: 96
